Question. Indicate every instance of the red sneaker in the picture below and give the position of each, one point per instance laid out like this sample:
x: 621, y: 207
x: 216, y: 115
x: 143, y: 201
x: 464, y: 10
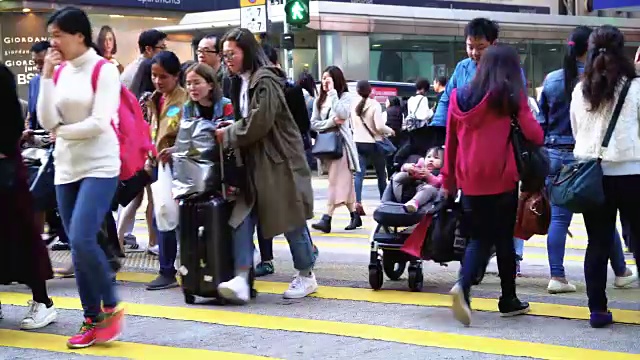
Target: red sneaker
x: 85, y: 337
x: 109, y: 327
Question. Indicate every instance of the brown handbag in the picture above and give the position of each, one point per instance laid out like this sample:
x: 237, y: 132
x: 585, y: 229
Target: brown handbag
x: 533, y: 216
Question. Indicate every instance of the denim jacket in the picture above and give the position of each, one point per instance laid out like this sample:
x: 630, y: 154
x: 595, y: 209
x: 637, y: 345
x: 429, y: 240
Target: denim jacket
x: 554, y: 110
x: 462, y: 75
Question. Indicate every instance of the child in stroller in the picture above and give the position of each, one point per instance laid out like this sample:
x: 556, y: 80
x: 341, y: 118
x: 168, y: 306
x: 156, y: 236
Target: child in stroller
x: 411, y: 210
x: 425, y: 174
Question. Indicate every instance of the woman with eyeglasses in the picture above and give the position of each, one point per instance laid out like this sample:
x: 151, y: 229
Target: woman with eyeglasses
x: 277, y: 192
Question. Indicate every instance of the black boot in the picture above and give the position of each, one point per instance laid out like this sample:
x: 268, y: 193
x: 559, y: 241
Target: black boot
x: 512, y: 306
x: 356, y: 221
x: 323, y: 225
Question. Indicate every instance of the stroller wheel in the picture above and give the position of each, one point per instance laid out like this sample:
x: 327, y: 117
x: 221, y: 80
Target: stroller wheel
x: 375, y: 277
x: 393, y: 269
x: 416, y: 280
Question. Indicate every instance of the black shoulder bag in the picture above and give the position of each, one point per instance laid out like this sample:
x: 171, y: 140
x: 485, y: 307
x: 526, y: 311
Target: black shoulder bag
x: 531, y: 160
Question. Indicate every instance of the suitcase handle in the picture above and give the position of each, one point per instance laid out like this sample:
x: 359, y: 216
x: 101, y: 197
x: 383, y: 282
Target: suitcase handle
x: 223, y: 186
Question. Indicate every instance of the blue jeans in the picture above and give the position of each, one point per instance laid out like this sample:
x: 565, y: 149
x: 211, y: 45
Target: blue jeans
x: 518, y: 246
x: 83, y: 206
x: 559, y: 227
x: 299, y: 243
x: 366, y: 152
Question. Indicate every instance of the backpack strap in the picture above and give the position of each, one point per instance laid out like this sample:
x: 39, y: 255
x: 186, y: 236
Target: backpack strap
x: 96, y: 73
x: 56, y: 73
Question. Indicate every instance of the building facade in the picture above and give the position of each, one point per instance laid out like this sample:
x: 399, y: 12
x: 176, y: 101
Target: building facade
x: 24, y: 23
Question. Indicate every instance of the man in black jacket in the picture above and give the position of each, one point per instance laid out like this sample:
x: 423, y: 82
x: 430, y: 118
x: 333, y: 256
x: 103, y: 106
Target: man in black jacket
x: 295, y: 99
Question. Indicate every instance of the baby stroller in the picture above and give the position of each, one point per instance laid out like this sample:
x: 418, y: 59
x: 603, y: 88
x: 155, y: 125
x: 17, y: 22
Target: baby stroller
x: 445, y: 241
x: 37, y: 155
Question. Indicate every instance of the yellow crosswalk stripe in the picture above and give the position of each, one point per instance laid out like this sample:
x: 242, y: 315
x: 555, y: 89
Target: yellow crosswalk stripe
x: 135, y: 351
x: 487, y: 345
x: 418, y: 299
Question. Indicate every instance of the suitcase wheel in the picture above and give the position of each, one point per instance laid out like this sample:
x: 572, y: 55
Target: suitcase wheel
x: 189, y: 299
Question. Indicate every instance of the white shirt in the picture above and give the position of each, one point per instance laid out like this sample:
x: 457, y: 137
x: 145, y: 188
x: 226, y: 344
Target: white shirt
x: 86, y: 145
x: 622, y: 156
x: 419, y: 106
x: 244, y: 94
x: 129, y: 72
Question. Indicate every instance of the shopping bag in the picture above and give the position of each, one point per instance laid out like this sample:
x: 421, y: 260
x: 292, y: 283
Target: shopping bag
x: 165, y: 207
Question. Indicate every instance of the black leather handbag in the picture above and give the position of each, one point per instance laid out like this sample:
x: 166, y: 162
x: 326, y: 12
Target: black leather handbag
x: 531, y: 160
x: 329, y: 144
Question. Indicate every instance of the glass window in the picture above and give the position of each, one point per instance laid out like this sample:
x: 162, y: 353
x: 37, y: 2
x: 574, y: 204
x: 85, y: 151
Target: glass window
x: 404, y: 58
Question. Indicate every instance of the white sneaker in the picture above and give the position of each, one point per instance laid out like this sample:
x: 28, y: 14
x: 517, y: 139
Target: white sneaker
x: 459, y: 305
x: 558, y: 287
x: 38, y: 316
x: 154, y: 250
x: 235, y: 290
x: 301, y: 286
x: 623, y: 282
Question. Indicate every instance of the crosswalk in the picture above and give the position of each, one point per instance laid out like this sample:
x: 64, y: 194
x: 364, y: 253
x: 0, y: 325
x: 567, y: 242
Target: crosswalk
x: 344, y: 319
x: 306, y: 319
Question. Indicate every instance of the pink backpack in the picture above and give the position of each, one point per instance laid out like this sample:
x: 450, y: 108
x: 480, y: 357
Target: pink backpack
x: 134, y: 134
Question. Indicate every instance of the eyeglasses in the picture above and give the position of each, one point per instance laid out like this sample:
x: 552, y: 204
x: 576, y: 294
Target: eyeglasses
x: 205, y: 51
x: 229, y: 56
x: 161, y: 47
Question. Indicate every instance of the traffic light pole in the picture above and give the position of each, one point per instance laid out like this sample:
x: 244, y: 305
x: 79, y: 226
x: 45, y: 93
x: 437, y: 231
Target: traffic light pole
x: 288, y: 57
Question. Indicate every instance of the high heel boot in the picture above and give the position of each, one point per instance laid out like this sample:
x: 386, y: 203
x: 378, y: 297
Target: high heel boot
x: 356, y: 221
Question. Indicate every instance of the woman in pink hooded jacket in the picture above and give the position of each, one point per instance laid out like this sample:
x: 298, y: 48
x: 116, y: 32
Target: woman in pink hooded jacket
x: 479, y: 160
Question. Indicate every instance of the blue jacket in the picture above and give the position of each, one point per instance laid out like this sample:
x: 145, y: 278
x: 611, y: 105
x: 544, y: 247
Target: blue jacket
x: 554, y: 110
x: 34, y: 89
x: 462, y: 75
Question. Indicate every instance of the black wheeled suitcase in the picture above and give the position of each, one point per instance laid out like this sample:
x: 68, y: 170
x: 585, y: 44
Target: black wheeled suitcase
x: 206, y: 246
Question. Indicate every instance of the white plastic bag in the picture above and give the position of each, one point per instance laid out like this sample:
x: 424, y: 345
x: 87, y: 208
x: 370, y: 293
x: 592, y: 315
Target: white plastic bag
x: 165, y: 207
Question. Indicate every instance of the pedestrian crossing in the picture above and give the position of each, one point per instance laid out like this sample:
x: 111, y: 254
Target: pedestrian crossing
x: 308, y: 323
x: 342, y: 320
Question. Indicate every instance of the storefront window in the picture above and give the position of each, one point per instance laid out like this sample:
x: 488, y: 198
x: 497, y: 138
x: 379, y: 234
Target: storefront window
x: 20, y: 31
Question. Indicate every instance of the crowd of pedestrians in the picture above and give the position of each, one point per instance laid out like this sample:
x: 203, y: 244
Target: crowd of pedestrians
x: 462, y: 142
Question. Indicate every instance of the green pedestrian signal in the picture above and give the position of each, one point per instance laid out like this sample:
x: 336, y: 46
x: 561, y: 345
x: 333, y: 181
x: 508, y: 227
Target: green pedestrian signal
x: 297, y: 12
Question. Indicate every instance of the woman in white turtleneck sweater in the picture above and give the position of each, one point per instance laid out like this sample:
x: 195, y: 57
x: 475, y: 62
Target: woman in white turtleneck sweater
x: 87, y: 162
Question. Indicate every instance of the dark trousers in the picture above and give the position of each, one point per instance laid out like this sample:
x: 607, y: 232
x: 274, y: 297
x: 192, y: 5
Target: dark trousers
x: 626, y: 233
x: 621, y: 193
x: 490, y: 220
x: 265, y: 245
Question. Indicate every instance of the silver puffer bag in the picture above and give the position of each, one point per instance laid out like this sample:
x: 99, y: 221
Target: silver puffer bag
x: 190, y: 167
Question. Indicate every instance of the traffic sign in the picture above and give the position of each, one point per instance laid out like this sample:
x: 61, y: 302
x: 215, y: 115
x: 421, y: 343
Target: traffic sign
x: 246, y: 3
x: 254, y: 18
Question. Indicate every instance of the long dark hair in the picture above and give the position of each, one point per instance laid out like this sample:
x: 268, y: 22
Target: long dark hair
x: 499, y: 77
x: 364, y: 90
x: 606, y: 66
x: 13, y: 122
x: 102, y: 35
x: 339, y: 83
x: 306, y: 81
x: 253, y: 54
x: 577, y: 46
